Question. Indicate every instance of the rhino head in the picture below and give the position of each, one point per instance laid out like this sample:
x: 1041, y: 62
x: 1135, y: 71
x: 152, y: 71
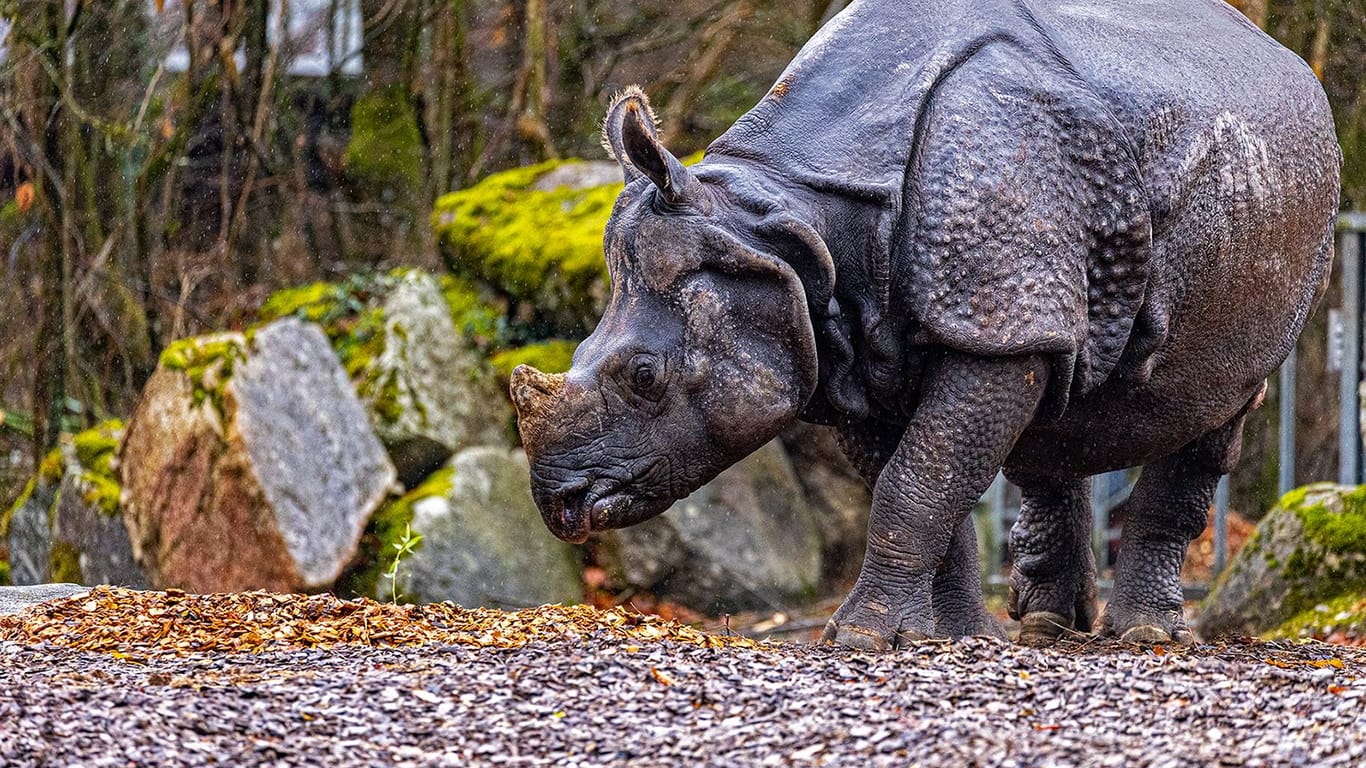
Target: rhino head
x: 705, y: 351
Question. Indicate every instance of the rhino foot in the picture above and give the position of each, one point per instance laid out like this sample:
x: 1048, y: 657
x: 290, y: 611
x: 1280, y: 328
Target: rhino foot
x: 1040, y: 629
x: 1165, y: 628
x: 1049, y: 611
x: 867, y: 622
x: 980, y: 625
x: 1053, y: 581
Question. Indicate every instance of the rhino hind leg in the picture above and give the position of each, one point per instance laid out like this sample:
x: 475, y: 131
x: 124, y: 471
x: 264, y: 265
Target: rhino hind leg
x: 959, y: 608
x: 1168, y: 508
x: 1053, y: 581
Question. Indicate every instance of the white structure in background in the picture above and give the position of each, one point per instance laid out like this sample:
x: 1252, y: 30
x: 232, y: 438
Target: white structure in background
x: 322, y: 37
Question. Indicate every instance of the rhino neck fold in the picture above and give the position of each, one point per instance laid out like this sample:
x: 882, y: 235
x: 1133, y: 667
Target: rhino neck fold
x: 859, y: 340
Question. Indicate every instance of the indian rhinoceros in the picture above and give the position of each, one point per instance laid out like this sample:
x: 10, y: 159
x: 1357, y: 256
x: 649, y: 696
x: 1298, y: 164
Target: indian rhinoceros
x: 1054, y: 238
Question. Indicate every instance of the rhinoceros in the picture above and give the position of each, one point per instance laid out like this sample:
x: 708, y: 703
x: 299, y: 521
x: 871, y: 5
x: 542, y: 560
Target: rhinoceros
x: 1049, y: 238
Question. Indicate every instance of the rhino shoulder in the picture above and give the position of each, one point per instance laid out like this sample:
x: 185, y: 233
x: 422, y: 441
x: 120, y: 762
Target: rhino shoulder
x: 1026, y: 222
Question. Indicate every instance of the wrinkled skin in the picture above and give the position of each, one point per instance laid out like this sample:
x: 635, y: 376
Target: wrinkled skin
x: 1054, y: 239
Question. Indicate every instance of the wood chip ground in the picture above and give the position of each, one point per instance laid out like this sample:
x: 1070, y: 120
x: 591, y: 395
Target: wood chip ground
x: 118, y: 678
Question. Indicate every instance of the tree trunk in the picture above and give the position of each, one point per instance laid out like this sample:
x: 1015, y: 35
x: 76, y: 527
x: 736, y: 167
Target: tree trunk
x: 530, y: 96
x: 706, y: 58
x: 1256, y: 10
x: 385, y: 168
x: 39, y: 39
x: 452, y: 124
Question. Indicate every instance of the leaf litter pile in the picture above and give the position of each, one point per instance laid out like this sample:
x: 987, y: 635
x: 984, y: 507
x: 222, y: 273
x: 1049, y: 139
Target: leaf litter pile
x: 116, y: 677
x: 124, y: 621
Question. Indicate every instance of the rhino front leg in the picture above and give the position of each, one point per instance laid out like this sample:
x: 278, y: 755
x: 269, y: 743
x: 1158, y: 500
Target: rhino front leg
x: 1168, y: 508
x: 1053, y: 581
x: 958, y: 606
x: 971, y: 412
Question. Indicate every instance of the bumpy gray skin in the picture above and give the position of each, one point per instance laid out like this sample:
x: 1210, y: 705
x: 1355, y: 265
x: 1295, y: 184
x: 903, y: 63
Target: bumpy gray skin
x: 1052, y: 238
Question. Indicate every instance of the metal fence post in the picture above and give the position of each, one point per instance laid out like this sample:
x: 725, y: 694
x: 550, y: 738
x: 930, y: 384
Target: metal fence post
x: 1350, y: 228
x: 1220, y: 525
x: 1285, y: 470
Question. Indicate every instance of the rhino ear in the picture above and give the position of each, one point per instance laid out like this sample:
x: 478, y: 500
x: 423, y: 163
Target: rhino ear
x: 631, y: 135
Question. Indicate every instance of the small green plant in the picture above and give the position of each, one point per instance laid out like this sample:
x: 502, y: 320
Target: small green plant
x: 406, y: 545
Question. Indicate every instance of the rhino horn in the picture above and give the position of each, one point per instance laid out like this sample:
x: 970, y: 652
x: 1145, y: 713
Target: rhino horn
x: 534, y: 393
x: 538, y: 397
x: 630, y: 134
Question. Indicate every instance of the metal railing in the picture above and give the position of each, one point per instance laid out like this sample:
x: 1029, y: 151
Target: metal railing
x: 1000, y: 507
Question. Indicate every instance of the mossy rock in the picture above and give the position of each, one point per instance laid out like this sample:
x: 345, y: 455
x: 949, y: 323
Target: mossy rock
x: 28, y: 532
x: 268, y: 482
x: 744, y: 541
x: 385, y: 151
x: 1343, y: 617
x: 483, y: 542
x: 551, y: 356
x: 413, y: 348
x: 1309, y: 550
x: 535, y: 239
x: 208, y: 362
x: 67, y: 524
x: 383, y: 538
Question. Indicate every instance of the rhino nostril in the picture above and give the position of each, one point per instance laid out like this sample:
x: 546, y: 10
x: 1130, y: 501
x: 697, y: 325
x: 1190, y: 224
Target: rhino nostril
x: 573, y: 495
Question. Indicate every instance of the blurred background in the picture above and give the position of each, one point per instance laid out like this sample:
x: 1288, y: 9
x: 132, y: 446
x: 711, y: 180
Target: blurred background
x: 175, y: 168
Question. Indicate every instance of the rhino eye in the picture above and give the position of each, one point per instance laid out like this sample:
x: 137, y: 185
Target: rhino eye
x: 644, y: 377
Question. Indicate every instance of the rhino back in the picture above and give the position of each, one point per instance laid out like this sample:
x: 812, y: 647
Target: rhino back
x: 1186, y: 164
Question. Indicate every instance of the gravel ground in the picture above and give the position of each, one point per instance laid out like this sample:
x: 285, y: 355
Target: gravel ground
x: 603, y: 701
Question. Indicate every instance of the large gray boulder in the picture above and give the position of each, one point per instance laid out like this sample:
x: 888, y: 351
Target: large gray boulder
x: 249, y: 463
x: 483, y: 543
x: 1309, y: 550
x: 429, y: 392
x: 746, y: 540
x: 837, y: 495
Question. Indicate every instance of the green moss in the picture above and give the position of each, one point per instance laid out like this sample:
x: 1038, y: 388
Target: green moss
x: 552, y: 356
x: 481, y: 322
x: 65, y: 563
x: 521, y: 239
x: 51, y: 468
x: 1346, y: 612
x: 385, y: 150
x: 316, y: 303
x: 95, y: 449
x: 24, y: 496
x: 385, y: 529
x: 4, y: 573
x: 208, y: 362
x: 1336, y: 530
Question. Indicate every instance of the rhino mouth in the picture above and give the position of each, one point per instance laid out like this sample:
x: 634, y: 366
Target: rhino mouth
x: 578, y: 510
x: 568, y: 515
